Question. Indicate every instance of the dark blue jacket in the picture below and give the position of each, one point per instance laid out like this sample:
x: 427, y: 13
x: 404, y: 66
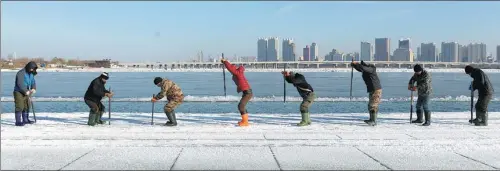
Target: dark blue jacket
x: 25, y: 80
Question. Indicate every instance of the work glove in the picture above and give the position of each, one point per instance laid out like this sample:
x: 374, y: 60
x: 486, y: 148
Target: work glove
x: 33, y: 91
x: 153, y: 99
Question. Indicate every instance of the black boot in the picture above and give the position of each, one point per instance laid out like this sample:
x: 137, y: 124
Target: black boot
x: 173, y: 120
x: 480, y: 119
x: 92, y: 119
x: 427, y: 118
x: 373, y: 118
x: 419, y: 117
x: 485, y: 119
x: 19, y: 122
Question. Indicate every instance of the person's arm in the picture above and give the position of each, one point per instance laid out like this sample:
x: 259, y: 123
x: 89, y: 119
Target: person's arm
x: 357, y: 67
x: 33, y: 83
x: 230, y: 67
x: 478, y: 80
x: 20, y: 82
x: 367, y: 68
x: 411, y: 83
x: 298, y: 78
x: 164, y: 88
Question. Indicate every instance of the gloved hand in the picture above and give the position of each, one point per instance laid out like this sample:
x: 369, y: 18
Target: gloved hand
x: 28, y: 93
x: 414, y: 88
x: 153, y: 99
x: 470, y: 87
x: 223, y: 60
x: 33, y: 91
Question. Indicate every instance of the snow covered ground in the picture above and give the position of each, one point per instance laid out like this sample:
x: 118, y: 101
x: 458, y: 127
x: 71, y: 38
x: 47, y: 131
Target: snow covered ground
x: 272, y: 142
x: 454, y: 70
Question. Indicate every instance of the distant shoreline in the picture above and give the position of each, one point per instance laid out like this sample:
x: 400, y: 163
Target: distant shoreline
x: 451, y: 70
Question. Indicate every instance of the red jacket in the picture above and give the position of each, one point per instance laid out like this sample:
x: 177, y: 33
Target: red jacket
x: 238, y: 76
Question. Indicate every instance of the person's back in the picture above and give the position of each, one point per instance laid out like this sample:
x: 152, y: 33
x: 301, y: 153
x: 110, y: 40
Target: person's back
x: 95, y: 91
x: 482, y: 82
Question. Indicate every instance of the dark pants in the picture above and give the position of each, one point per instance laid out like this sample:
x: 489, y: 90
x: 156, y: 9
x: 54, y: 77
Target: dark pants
x: 95, y: 107
x: 306, y: 102
x: 423, y: 102
x: 482, y: 103
x: 21, y: 102
x: 247, y: 95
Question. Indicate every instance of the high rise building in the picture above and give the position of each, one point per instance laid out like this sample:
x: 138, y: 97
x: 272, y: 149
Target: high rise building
x: 463, y: 53
x: 449, y: 52
x: 288, y: 50
x: 306, y: 53
x: 476, y: 52
x: 428, y: 52
x: 273, y: 49
x: 315, y: 53
x: 403, y: 52
x: 382, y: 49
x: 262, y: 49
x: 366, y: 51
x: 419, y: 53
x: 498, y: 53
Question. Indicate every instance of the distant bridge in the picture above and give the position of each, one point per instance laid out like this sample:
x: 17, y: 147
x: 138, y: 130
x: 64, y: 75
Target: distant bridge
x: 309, y: 64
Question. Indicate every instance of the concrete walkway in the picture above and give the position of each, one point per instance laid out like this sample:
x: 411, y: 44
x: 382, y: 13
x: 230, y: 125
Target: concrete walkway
x: 393, y: 145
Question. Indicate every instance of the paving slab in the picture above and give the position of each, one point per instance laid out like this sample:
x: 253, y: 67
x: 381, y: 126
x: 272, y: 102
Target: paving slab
x: 129, y: 158
x: 421, y: 158
x: 39, y: 158
x: 324, y: 158
x: 226, y: 158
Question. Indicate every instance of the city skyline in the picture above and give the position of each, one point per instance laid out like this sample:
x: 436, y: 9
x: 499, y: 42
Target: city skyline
x: 173, y: 31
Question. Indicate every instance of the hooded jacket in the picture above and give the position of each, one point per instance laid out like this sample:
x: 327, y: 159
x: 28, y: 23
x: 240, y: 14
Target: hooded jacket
x: 25, y: 79
x: 96, y: 90
x: 481, y: 82
x: 238, y: 76
x: 369, y: 74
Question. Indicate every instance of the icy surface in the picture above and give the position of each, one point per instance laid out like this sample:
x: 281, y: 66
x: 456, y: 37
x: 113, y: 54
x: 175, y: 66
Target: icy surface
x: 213, y: 141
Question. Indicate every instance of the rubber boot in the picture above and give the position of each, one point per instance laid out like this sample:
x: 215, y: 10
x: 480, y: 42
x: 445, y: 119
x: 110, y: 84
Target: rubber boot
x: 92, y: 119
x: 308, y: 120
x: 305, y: 120
x: 373, y: 118
x: 480, y: 120
x: 427, y: 118
x: 172, y: 119
x: 26, y: 120
x: 98, y: 118
x: 244, y: 120
x: 485, y: 119
x: 419, y: 117
x: 19, y: 122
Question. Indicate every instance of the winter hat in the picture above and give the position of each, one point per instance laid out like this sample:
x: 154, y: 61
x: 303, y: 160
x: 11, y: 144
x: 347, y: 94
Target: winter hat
x: 157, y: 80
x: 104, y: 75
x: 468, y: 69
x: 418, y: 68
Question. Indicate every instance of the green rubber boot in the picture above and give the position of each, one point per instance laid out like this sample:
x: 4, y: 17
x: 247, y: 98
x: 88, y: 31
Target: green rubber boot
x: 98, y: 119
x: 92, y: 119
x: 305, y: 120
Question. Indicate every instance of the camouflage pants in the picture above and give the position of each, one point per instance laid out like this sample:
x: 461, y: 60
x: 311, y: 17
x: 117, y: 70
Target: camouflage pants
x: 21, y: 102
x: 173, y: 103
x: 374, y: 100
x: 306, y: 102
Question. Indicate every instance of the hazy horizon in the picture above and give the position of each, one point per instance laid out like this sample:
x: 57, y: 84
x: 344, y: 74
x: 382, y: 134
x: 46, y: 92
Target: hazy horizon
x: 176, y: 31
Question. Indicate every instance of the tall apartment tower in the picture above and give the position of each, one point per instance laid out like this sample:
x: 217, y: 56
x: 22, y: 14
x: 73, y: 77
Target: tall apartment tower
x: 288, y: 50
x: 428, y: 52
x: 366, y: 51
x: 314, y: 53
x: 449, y: 52
x: 262, y: 50
x: 306, y: 53
x: 273, y: 49
x: 382, y: 49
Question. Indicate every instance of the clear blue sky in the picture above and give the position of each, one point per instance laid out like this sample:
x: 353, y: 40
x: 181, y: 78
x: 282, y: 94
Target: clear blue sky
x: 171, y: 31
